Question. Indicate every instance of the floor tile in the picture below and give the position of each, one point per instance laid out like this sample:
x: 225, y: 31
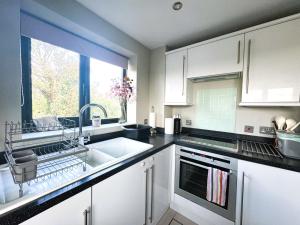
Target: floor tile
x: 185, y: 221
x: 174, y: 222
x: 173, y: 218
x: 167, y: 217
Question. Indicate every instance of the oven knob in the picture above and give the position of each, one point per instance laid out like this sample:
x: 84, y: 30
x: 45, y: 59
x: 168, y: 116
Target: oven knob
x: 143, y: 164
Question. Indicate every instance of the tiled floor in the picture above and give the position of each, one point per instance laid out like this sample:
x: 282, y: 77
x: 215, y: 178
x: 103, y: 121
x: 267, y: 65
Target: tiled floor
x: 173, y: 218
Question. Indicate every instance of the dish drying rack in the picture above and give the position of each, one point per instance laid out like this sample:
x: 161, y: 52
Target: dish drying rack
x: 40, y: 157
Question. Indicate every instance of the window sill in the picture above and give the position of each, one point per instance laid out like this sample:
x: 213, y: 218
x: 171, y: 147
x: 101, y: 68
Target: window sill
x: 54, y: 135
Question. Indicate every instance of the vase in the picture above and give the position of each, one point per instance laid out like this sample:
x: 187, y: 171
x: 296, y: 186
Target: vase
x: 123, y: 118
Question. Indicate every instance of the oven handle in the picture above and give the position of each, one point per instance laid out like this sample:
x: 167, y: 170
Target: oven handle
x: 194, y: 164
x: 198, y: 165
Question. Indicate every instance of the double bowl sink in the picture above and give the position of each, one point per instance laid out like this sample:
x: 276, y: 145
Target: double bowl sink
x: 100, y: 156
x: 113, y: 150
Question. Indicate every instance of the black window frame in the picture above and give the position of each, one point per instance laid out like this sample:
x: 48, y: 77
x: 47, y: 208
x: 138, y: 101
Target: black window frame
x: 84, y: 86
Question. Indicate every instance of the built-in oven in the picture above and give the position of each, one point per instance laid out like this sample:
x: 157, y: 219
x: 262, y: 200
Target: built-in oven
x: 191, y: 181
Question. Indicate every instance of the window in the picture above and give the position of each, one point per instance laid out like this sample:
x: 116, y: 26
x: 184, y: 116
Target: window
x: 55, y: 80
x: 102, y: 75
x: 58, y: 82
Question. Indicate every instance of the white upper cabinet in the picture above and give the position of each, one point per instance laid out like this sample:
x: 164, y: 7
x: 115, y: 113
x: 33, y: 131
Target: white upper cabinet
x: 216, y: 58
x: 177, y: 90
x: 267, y: 195
x: 272, y: 65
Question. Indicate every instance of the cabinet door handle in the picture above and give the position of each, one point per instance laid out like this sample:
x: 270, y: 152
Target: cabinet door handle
x: 86, y: 216
x: 239, y: 52
x: 248, y: 66
x: 151, y: 196
x: 242, y: 199
x: 146, y: 196
x: 183, y: 68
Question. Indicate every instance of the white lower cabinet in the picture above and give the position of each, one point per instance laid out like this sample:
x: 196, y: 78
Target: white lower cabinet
x: 73, y: 211
x: 267, y: 195
x: 138, y: 195
x: 160, y: 175
x: 121, y: 198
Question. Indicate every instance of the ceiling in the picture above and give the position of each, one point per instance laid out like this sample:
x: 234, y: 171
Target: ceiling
x: 155, y: 24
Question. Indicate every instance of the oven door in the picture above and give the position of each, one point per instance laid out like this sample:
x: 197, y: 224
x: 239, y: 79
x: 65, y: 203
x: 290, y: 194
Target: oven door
x: 191, y: 183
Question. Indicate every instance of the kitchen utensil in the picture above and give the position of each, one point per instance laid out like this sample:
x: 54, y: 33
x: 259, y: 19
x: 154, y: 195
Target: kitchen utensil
x: 275, y: 125
x: 289, y: 144
x: 290, y: 123
x: 25, y: 168
x: 280, y: 120
x: 21, y: 154
x: 295, y: 127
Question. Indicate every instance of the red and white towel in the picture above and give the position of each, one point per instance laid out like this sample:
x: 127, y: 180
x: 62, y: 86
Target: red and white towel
x: 216, y: 186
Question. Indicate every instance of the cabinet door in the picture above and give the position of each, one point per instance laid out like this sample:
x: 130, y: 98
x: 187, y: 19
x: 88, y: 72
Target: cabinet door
x: 270, y: 195
x: 177, y: 91
x: 219, y: 57
x: 160, y: 173
x: 69, y: 212
x: 271, y: 74
x: 121, y: 198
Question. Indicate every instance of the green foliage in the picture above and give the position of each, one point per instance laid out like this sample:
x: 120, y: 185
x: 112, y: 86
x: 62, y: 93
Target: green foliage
x: 55, y: 83
x: 55, y: 80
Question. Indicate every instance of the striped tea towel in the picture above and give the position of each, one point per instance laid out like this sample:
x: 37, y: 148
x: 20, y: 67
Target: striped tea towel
x: 216, y: 186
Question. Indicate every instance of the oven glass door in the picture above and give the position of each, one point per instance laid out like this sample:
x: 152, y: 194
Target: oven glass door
x: 193, y: 178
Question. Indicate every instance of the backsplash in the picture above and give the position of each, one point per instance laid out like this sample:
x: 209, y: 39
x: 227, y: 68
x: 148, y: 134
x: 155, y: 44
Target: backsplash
x: 215, y: 107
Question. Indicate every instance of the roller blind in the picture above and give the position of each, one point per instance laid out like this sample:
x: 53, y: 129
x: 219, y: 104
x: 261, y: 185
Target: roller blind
x: 36, y: 28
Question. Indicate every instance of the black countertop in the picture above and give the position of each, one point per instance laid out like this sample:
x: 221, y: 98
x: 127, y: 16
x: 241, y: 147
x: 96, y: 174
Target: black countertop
x: 285, y: 163
x: 26, y: 211
x: 159, y: 142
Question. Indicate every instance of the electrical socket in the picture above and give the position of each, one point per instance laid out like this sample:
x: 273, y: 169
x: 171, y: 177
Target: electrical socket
x: 248, y: 129
x: 145, y: 121
x: 188, y: 122
x: 267, y: 130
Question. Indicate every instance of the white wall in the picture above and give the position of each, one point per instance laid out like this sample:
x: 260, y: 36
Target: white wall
x: 157, y: 84
x: 10, y: 67
x: 254, y: 116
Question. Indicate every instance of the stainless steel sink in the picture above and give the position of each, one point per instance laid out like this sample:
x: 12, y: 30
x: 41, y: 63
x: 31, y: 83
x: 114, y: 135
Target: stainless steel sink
x: 100, y: 156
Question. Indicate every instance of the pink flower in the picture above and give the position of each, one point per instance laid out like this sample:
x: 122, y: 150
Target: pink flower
x: 122, y: 88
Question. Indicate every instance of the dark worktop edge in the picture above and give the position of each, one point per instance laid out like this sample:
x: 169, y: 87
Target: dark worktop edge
x: 159, y: 142
x: 33, y: 208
